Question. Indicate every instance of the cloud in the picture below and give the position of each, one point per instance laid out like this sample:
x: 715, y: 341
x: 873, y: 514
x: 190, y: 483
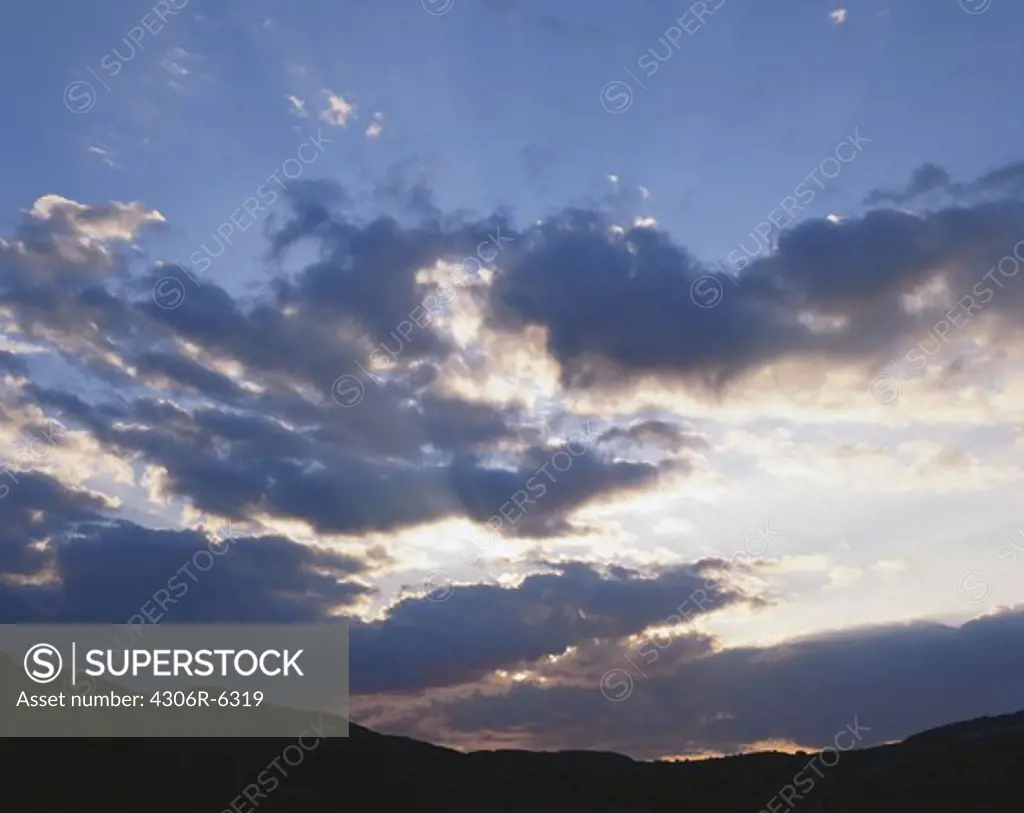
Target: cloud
x: 94, y: 224
x: 897, y: 680
x: 297, y: 107
x: 477, y: 629
x: 249, y: 466
x: 81, y: 563
x: 610, y: 299
x: 656, y: 433
x: 338, y: 111
x: 228, y: 404
x: 376, y: 127
x: 268, y: 436
x: 926, y: 178
x: 179, y: 63
x: 930, y: 179
x: 171, y: 62
x: 103, y: 153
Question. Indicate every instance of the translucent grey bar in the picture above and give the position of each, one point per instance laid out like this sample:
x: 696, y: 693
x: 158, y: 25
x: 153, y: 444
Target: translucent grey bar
x: 181, y: 680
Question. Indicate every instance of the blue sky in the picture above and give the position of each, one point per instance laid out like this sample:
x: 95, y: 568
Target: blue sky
x: 752, y: 100
x: 722, y: 406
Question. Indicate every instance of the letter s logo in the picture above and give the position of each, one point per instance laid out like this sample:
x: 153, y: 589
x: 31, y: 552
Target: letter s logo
x: 39, y: 663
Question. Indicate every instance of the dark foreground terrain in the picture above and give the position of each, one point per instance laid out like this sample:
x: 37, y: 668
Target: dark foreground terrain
x: 972, y: 767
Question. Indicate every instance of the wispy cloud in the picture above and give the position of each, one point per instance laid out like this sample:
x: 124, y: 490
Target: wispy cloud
x: 338, y: 110
x: 297, y: 107
x: 174, y: 61
x: 376, y: 126
x: 102, y: 153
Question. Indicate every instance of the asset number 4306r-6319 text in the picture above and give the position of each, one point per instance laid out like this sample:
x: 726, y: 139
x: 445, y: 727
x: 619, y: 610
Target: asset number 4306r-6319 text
x: 204, y: 699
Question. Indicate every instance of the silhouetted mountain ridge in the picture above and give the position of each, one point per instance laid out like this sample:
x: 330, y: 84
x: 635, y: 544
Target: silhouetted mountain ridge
x: 965, y: 767
x: 1003, y: 725
x: 948, y: 768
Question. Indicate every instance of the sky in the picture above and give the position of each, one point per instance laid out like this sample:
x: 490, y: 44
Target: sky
x: 643, y: 377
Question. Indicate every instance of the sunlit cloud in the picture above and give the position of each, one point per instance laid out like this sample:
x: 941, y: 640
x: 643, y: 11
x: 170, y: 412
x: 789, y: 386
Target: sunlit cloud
x: 338, y: 110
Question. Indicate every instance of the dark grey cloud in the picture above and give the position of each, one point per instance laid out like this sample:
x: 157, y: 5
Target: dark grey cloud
x: 99, y: 568
x: 475, y: 629
x: 619, y: 304
x: 90, y: 566
x: 1008, y: 179
x: 407, y: 184
x: 896, y: 680
x: 548, y: 483
x: 930, y: 179
x: 663, y: 434
x: 41, y: 508
x: 615, y: 304
x: 926, y: 178
x: 280, y: 444
x: 9, y: 361
x: 245, y: 464
x: 176, y: 372
x: 691, y: 697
